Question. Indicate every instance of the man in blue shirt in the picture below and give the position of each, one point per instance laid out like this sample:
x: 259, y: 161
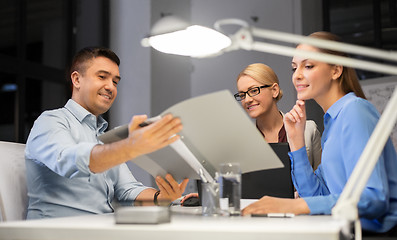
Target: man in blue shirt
x: 69, y: 171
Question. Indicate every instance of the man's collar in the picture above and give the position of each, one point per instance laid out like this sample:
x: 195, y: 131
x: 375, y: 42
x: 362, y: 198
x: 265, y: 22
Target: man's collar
x: 81, y: 113
x: 77, y: 110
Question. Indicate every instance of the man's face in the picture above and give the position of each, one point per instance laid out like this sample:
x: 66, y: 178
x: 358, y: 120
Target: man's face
x: 96, y: 88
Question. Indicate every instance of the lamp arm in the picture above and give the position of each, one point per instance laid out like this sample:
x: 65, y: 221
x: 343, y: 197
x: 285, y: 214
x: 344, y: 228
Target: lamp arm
x: 297, y: 39
x: 321, y: 43
x: 243, y: 39
x: 229, y: 21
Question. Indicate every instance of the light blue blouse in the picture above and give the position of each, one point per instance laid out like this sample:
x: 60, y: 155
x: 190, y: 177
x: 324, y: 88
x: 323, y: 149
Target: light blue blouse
x: 348, y: 124
x: 59, y: 180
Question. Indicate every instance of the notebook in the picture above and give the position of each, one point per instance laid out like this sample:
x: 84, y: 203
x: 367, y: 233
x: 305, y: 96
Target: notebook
x: 271, y: 182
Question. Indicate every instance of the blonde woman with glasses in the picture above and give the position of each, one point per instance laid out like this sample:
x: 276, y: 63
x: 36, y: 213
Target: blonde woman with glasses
x: 259, y: 91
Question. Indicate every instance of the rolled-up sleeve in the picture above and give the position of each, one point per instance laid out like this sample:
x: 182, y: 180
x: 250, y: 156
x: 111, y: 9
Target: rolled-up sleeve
x: 126, y: 187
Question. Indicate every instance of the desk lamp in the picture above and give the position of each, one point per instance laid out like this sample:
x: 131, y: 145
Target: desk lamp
x: 346, y: 206
x: 174, y: 36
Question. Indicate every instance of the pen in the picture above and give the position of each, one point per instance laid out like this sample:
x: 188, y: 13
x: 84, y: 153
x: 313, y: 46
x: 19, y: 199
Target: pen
x: 274, y: 215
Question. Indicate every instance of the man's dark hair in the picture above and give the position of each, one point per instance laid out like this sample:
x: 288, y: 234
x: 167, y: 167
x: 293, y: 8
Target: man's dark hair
x: 80, y: 60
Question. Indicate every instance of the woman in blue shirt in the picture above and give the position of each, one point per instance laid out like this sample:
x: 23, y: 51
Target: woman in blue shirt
x: 349, y: 121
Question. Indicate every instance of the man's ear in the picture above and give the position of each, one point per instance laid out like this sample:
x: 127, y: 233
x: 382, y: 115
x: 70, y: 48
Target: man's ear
x: 337, y: 72
x: 75, y: 76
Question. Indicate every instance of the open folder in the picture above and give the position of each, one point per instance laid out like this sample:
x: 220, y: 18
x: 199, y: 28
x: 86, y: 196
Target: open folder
x: 215, y: 130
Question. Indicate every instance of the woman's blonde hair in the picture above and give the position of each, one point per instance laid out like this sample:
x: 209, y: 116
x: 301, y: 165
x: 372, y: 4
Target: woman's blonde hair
x: 348, y: 80
x: 262, y: 74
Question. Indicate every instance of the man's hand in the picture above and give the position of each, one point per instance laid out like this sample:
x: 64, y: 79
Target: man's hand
x: 294, y: 123
x: 169, y: 188
x: 141, y: 140
x: 157, y: 135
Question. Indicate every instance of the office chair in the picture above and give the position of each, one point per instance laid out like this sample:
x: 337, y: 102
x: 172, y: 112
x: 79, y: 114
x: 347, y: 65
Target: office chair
x: 13, y: 191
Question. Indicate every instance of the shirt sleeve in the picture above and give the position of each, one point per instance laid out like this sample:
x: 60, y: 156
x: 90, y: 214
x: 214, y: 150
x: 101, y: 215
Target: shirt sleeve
x: 313, y: 189
x: 52, y: 144
x: 127, y: 188
x: 305, y: 181
x: 321, y: 204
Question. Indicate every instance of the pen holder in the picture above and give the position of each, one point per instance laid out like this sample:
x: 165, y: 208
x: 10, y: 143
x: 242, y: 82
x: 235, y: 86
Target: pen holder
x: 210, y: 198
x: 229, y: 179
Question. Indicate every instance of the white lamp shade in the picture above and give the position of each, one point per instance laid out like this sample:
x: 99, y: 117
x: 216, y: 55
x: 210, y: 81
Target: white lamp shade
x: 195, y: 41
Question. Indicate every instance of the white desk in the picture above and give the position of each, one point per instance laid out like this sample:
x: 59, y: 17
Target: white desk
x: 186, y: 224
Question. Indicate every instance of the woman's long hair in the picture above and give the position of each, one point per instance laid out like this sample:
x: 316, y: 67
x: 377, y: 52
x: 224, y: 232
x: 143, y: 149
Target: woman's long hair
x: 348, y: 80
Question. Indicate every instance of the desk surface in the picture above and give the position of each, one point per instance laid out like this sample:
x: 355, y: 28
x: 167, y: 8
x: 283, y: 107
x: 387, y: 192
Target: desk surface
x: 186, y: 223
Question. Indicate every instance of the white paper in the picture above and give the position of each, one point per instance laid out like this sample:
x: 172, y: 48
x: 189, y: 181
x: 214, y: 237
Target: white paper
x: 215, y: 130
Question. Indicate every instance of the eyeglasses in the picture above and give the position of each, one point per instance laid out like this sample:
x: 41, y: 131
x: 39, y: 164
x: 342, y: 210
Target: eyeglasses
x: 251, y: 92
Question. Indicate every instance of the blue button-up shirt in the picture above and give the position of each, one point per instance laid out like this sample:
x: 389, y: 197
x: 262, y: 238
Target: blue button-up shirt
x: 348, y: 124
x: 59, y: 180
